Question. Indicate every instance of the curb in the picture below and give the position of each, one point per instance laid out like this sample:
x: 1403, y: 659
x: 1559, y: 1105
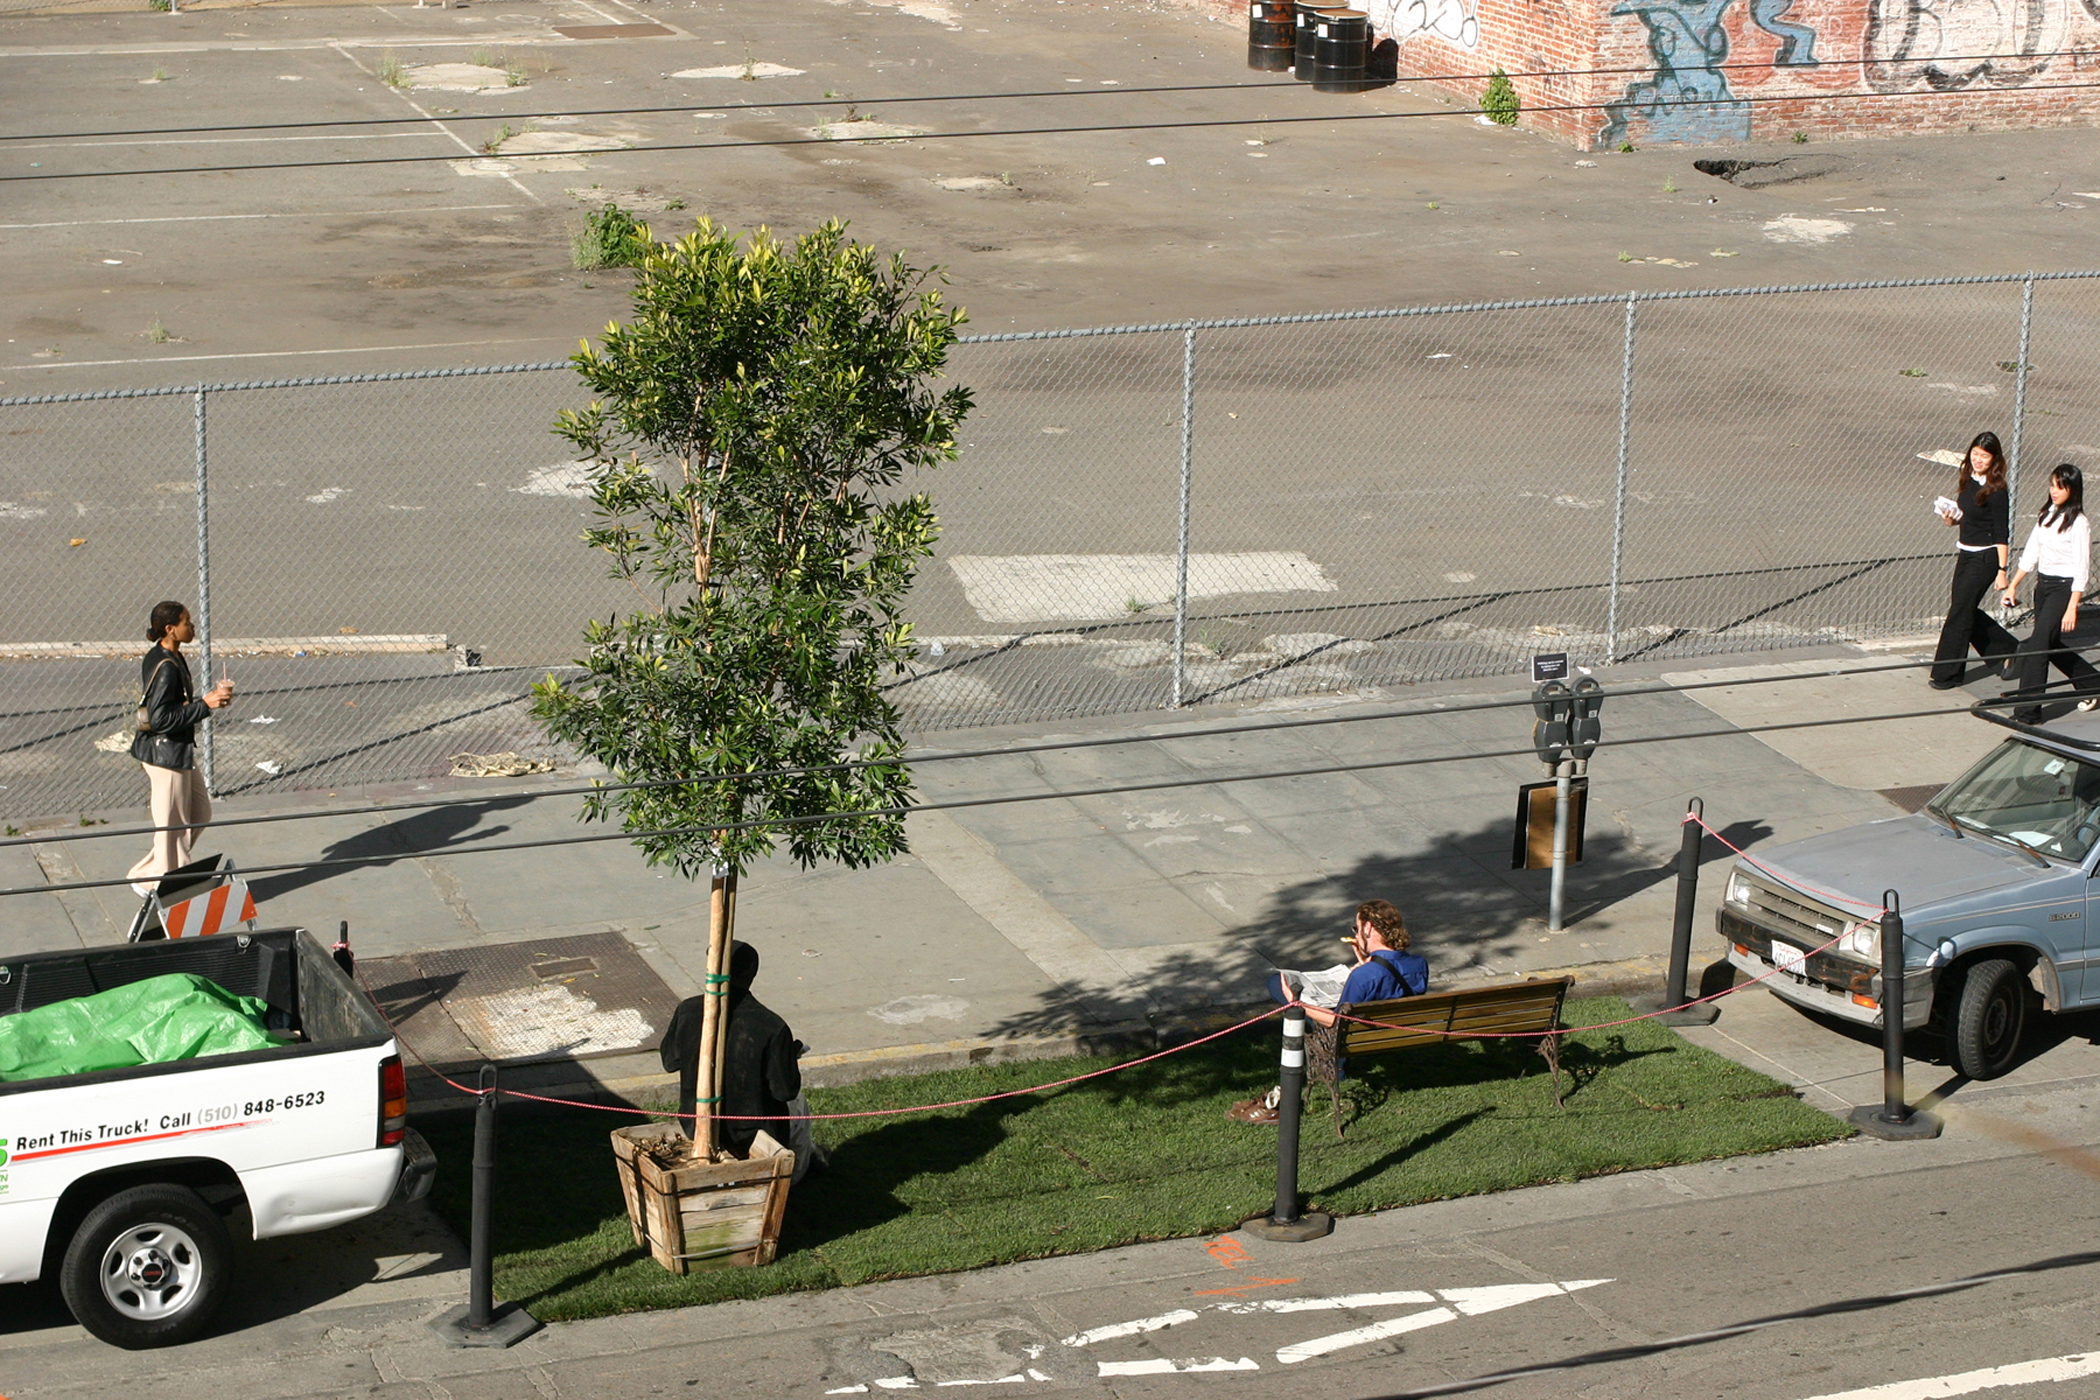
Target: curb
x: 634, y: 1081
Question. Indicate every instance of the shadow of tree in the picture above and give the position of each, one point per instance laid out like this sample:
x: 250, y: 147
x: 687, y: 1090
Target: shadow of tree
x: 1465, y: 907
x: 423, y: 833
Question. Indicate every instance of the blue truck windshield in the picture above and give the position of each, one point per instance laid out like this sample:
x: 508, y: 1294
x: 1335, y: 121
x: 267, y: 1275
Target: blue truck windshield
x: 2029, y: 796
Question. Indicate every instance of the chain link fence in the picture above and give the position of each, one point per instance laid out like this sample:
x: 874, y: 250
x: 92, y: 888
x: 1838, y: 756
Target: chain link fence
x: 1141, y: 517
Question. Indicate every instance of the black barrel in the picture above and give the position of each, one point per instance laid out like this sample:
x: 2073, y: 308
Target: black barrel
x: 1272, y: 40
x: 1307, y: 33
x: 1341, y: 51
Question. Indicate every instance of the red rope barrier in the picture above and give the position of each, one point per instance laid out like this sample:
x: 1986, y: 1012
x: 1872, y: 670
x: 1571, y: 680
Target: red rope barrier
x: 1160, y: 1055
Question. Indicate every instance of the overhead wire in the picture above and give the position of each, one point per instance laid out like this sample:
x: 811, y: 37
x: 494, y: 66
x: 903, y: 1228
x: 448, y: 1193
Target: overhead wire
x: 1202, y: 124
x: 1001, y: 800
x: 1435, y: 710
x: 1116, y: 91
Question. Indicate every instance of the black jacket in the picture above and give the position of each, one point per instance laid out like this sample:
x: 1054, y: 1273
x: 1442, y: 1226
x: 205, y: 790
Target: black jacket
x: 1983, y: 522
x: 760, y: 1073
x: 172, y: 710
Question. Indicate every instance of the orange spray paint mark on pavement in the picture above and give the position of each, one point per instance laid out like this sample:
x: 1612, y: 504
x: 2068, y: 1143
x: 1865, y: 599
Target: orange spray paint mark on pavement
x: 1231, y: 1254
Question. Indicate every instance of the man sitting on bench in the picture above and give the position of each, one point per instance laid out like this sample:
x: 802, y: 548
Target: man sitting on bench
x: 1384, y: 971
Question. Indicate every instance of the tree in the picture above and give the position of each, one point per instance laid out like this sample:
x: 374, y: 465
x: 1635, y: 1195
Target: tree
x: 755, y: 418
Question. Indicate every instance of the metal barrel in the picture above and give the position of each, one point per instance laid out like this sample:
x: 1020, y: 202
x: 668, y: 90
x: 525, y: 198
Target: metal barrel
x: 1307, y: 34
x: 1272, y: 35
x: 1341, y: 51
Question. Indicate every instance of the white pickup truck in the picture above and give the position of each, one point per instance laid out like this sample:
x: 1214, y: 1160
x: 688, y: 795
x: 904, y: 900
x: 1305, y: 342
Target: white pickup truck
x: 122, y: 1181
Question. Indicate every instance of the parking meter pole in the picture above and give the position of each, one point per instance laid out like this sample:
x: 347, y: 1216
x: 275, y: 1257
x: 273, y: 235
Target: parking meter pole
x: 1893, y: 1118
x: 483, y: 1322
x: 1285, y: 1223
x: 1563, y: 784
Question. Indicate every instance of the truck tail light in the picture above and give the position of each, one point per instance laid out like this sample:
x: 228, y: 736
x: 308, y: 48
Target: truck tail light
x: 1862, y: 999
x: 393, y: 1101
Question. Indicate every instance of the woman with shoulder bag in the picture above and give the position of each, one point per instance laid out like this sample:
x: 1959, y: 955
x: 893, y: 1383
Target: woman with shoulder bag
x: 169, y: 711
x: 2059, y: 555
x: 1983, y: 513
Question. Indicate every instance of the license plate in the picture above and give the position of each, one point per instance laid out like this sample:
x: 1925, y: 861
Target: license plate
x: 1790, y: 960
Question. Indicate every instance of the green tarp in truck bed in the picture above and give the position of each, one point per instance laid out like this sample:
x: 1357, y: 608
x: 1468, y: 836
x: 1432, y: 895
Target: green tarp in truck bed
x: 176, y: 1017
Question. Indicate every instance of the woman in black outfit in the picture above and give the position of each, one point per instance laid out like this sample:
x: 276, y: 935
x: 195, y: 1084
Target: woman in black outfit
x: 1983, y: 513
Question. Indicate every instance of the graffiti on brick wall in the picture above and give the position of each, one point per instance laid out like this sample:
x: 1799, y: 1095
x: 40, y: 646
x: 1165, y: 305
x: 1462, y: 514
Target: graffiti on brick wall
x: 1838, y: 47
x: 1948, y: 45
x: 1454, y: 21
x: 1688, y: 98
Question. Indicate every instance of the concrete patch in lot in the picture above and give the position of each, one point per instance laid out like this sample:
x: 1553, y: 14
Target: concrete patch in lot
x: 458, y: 77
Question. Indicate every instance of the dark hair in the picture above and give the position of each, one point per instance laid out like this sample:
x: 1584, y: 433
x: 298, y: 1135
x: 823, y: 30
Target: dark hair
x: 165, y: 615
x: 1993, y: 475
x: 2073, y: 482
x: 1385, y: 920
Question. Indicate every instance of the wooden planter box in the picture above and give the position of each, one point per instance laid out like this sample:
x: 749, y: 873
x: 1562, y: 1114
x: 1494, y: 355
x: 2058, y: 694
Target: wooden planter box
x: 703, y: 1215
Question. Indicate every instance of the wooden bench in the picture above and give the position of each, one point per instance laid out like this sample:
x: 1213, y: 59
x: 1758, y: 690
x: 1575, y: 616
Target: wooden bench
x: 1530, y: 1008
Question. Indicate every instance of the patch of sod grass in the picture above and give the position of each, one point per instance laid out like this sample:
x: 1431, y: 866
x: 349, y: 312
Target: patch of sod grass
x: 1142, y: 1155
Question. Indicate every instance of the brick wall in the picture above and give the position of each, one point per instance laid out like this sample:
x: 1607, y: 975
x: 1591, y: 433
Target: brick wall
x: 1917, y: 65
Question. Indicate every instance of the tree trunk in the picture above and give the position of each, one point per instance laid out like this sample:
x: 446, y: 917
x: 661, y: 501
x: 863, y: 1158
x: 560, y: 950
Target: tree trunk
x: 721, y: 913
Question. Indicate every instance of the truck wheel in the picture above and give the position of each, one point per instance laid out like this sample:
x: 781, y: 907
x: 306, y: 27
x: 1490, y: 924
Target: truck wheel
x: 1990, y: 1019
x: 147, y: 1268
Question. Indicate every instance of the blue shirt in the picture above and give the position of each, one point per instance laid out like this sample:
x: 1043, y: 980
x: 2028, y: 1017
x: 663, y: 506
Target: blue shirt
x: 1387, y: 976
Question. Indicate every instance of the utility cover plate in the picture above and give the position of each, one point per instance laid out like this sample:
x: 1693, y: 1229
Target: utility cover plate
x: 548, y: 999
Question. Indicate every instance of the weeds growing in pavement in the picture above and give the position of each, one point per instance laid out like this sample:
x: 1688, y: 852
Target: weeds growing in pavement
x: 392, y: 73
x: 610, y: 237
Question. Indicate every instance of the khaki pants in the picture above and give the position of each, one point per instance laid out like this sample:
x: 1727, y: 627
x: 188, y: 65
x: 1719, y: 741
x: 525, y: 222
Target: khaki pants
x: 176, y: 795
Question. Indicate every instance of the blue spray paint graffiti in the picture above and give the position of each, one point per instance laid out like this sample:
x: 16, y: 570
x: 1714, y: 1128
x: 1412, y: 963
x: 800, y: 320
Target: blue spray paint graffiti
x: 1688, y: 100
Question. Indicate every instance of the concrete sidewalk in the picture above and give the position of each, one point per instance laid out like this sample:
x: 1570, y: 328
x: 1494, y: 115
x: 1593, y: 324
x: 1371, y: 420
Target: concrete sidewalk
x: 1023, y: 928
x: 1037, y: 927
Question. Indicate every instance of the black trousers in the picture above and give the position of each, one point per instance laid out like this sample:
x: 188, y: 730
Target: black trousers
x: 1967, y: 623
x: 2046, y: 648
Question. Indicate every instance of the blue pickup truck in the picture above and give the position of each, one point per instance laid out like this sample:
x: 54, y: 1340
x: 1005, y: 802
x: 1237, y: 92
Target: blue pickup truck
x: 1996, y: 878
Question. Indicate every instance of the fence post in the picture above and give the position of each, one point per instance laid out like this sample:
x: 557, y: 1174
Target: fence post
x: 2019, y: 423
x: 1618, y: 500
x: 1284, y: 1223
x: 1181, y: 534
x: 203, y: 613
x: 482, y: 1322
x: 1893, y: 1117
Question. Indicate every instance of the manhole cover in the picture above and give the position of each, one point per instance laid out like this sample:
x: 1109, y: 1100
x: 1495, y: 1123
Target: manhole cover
x: 551, y: 999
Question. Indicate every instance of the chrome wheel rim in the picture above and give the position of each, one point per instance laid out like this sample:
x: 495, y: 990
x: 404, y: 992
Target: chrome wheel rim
x: 150, y: 1272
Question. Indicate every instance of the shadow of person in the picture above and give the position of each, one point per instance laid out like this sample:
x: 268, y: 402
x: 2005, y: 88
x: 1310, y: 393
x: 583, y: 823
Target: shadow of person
x: 424, y: 833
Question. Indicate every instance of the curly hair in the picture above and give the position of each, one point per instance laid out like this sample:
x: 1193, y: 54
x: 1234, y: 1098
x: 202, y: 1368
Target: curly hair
x: 1385, y: 918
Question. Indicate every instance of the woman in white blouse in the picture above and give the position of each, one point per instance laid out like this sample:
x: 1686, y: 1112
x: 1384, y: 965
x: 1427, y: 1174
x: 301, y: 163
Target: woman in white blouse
x: 2058, y: 554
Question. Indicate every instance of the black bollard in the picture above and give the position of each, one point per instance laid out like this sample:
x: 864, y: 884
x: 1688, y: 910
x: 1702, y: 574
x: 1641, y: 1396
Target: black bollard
x: 1285, y: 1223
x: 1672, y: 1001
x: 482, y: 1322
x: 1893, y: 1118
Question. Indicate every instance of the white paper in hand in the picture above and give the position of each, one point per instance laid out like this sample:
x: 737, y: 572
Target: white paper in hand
x: 1948, y: 510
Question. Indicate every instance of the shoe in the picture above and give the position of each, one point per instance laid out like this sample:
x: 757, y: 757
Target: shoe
x: 2087, y: 706
x: 1260, y: 1112
x: 1944, y: 685
x: 2027, y: 716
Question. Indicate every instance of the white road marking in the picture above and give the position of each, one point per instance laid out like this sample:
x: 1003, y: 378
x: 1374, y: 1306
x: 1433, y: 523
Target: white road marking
x: 293, y: 214
x: 1475, y: 1301
x: 1130, y: 1329
x: 2052, y: 1368
x: 1464, y: 1302
x: 1359, y: 1336
x: 285, y: 354
x: 1163, y: 1367
x: 1346, y: 1300
x: 1044, y: 587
